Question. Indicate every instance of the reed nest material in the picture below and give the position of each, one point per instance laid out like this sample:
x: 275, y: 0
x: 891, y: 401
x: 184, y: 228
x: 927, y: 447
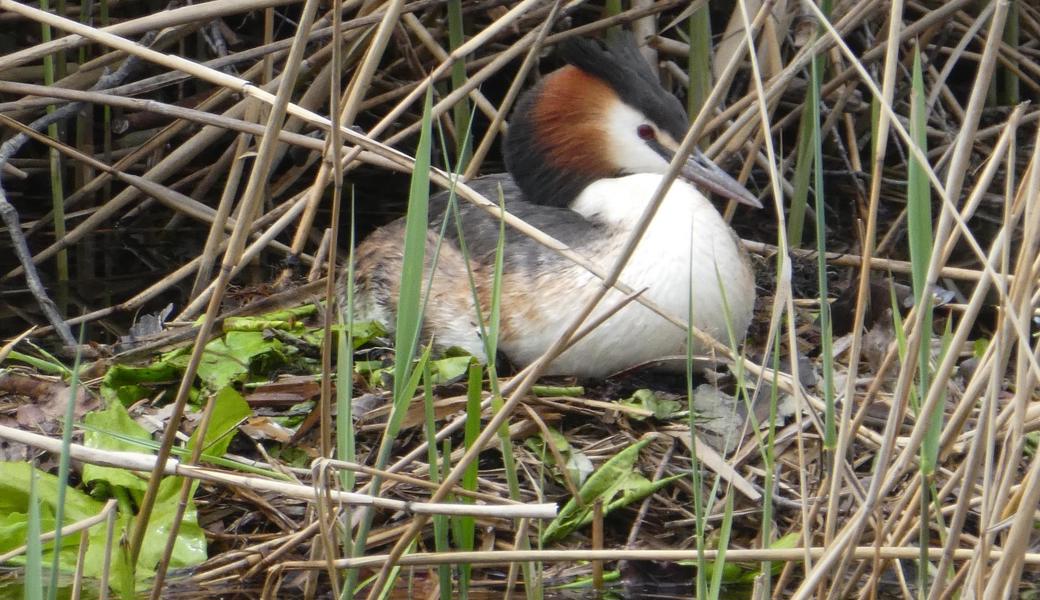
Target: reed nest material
x: 218, y: 156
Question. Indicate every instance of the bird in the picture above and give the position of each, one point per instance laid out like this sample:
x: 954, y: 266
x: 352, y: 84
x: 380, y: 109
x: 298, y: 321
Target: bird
x: 586, y: 148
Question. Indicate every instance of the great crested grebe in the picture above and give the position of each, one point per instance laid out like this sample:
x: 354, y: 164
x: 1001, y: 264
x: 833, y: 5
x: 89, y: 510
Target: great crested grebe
x: 585, y: 152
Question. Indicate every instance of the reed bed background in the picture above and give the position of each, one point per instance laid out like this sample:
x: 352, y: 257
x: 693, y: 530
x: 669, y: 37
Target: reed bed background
x: 874, y: 435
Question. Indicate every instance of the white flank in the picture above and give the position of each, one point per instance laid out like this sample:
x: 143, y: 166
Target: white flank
x: 687, y: 252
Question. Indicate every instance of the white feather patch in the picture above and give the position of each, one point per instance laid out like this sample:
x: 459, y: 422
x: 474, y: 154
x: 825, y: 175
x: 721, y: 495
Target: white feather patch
x: 687, y: 252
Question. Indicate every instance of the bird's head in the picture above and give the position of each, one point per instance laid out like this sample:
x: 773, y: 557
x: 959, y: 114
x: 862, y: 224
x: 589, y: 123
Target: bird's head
x: 604, y: 114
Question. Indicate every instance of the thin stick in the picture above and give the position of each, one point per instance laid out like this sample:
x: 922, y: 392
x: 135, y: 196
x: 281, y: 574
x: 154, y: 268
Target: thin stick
x: 735, y: 555
x: 136, y: 461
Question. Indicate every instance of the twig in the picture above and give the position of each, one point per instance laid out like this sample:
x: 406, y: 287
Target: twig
x: 136, y: 461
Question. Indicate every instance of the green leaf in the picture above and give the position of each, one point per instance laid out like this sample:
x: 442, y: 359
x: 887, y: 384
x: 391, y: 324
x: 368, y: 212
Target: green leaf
x: 14, y: 519
x: 409, y: 312
x: 550, y: 391
x: 228, y: 359
x: 662, y: 406
x: 44, y: 366
x: 978, y: 347
x: 400, y: 406
x: 259, y: 324
x: 446, y: 370
x: 375, y: 372
x: 409, y: 316
x: 362, y: 332
x: 190, y: 547
x: 34, y: 547
x: 615, y: 484
x: 919, y: 232
x: 586, y: 582
x: 289, y: 319
x: 229, y: 409
x: 919, y: 196
x: 747, y: 573
x: 127, y: 384
x: 112, y: 429
x: 578, y: 465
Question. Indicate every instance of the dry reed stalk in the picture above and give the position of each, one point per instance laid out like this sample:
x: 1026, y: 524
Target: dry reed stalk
x: 737, y: 555
x: 141, y: 462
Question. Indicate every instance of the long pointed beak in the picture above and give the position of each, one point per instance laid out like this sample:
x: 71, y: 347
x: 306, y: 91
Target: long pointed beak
x: 702, y: 172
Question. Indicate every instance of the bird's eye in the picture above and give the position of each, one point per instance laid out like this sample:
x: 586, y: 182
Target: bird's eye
x: 646, y: 132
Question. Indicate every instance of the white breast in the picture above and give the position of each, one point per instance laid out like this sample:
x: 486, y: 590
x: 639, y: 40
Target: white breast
x: 687, y: 253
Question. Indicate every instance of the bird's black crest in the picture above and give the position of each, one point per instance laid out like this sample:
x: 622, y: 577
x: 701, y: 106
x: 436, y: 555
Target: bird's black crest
x: 618, y: 62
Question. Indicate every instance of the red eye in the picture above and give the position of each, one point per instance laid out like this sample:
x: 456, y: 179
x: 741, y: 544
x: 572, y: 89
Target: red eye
x: 646, y: 132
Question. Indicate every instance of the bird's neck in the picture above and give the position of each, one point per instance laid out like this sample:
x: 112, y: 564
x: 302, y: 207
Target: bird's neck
x: 555, y: 135
x: 619, y: 203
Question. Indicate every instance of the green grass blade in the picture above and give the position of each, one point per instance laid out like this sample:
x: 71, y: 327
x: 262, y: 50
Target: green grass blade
x: 346, y: 444
x: 612, y: 8
x: 472, y: 430
x: 769, y: 465
x: 61, y: 266
x: 44, y: 366
x: 461, y: 115
x: 346, y: 448
x: 63, y: 466
x: 495, y: 315
x: 409, y: 313
x: 802, y: 173
x: 467, y: 525
x: 409, y: 317
x: 720, y: 562
x: 1010, y: 93
x: 33, y: 585
x: 695, y: 464
x: 919, y: 231
x: 440, y: 522
x: 699, y: 60
x: 826, y: 333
